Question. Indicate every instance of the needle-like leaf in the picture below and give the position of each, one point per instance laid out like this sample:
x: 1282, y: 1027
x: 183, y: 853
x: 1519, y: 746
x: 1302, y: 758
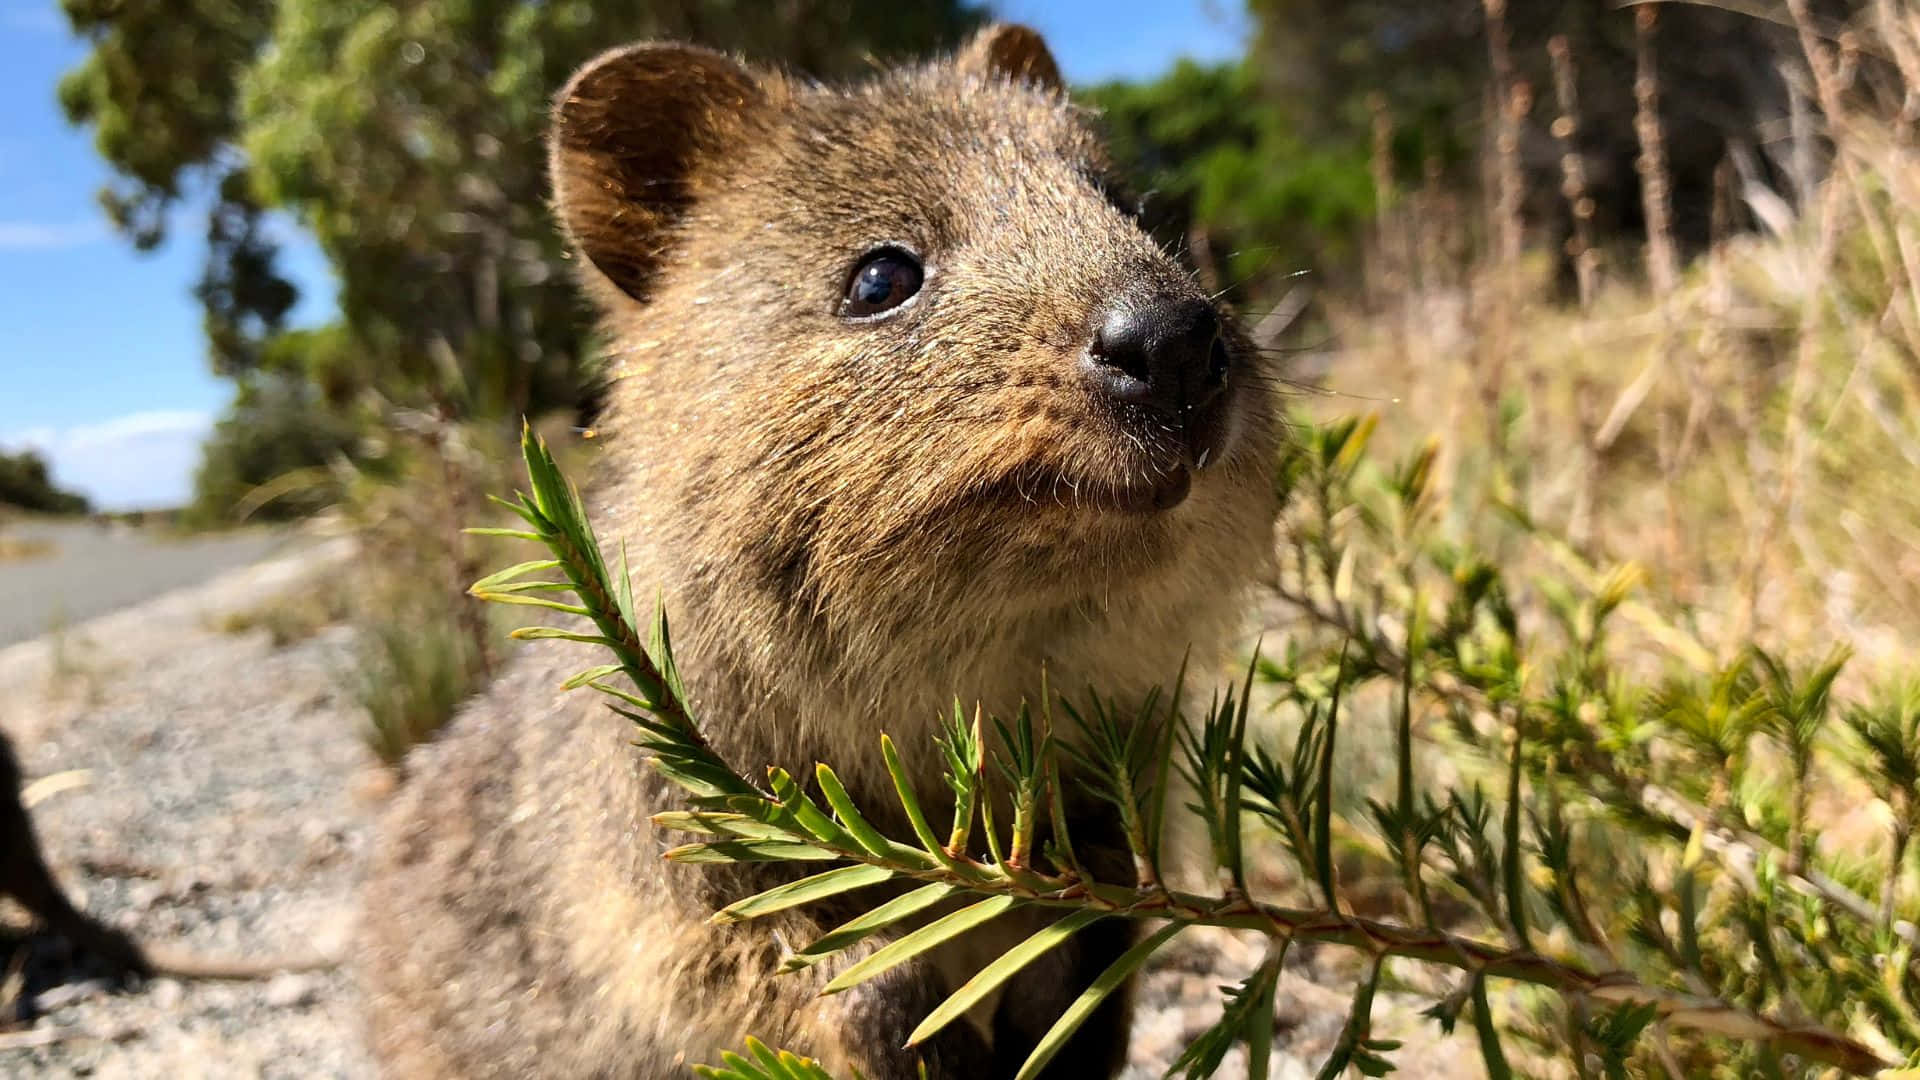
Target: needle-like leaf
x: 805, y: 891
x: 904, y: 906
x: 1004, y: 967
x: 1102, y: 987
x: 901, y: 950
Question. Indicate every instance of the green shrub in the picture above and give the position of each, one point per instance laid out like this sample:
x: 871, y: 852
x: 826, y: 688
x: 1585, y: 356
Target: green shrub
x: 424, y: 644
x: 410, y: 674
x: 26, y: 484
x: 278, y: 453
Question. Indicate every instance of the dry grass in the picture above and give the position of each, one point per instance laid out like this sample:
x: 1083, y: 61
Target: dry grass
x: 1750, y: 434
x: 293, y: 617
x: 78, y: 669
x: 424, y: 644
x: 21, y: 549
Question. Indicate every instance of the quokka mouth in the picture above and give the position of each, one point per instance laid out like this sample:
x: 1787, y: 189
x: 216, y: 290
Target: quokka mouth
x: 1145, y: 495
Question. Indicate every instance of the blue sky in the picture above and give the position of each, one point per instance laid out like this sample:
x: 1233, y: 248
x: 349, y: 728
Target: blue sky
x: 102, y: 365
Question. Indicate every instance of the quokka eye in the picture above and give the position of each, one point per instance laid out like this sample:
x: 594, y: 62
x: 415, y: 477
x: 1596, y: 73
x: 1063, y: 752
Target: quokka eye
x: 886, y: 278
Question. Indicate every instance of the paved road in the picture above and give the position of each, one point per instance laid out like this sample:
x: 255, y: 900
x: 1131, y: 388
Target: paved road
x: 93, y: 570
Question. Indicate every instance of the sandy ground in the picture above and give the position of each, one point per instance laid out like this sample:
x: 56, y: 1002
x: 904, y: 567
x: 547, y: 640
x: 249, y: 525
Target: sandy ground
x: 225, y: 807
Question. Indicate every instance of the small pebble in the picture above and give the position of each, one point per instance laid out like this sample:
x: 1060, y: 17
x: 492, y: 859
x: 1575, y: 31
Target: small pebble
x: 292, y: 991
x: 166, y: 994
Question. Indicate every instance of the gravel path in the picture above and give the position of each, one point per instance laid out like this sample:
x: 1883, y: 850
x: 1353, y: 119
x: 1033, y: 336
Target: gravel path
x: 1180, y: 996
x: 217, y: 815
x: 226, y: 808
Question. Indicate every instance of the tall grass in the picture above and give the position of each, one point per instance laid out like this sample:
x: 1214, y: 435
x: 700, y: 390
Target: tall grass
x: 1724, y: 454
x: 423, y: 645
x: 1748, y: 426
x: 420, y: 644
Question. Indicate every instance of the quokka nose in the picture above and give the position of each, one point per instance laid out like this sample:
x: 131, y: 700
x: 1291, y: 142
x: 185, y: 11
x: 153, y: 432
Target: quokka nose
x: 1163, y: 353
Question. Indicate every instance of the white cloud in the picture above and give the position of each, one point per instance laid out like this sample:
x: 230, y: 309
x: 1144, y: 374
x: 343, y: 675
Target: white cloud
x: 141, y: 460
x: 47, y: 236
x: 140, y: 425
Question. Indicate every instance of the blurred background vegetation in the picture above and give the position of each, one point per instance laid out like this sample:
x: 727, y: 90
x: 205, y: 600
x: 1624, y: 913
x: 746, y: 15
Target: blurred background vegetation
x: 26, y: 485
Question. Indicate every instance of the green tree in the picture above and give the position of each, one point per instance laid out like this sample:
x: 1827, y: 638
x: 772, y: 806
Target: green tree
x: 1428, y: 62
x: 1269, y: 159
x: 159, y: 92
x: 25, y: 483
x: 408, y: 138
x: 1214, y: 151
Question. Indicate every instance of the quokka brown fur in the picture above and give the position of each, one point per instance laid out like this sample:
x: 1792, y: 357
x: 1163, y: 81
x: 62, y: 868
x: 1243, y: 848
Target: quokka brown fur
x: 904, y: 408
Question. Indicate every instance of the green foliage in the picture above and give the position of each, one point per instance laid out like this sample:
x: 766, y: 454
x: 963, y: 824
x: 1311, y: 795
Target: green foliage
x: 1270, y: 161
x: 1424, y: 65
x: 243, y: 298
x: 1738, y: 959
x: 1246, y: 1016
x: 762, y: 1063
x: 422, y: 645
x: 410, y: 676
x: 277, y: 453
x: 158, y: 90
x: 1209, y: 148
x: 1706, y: 773
x: 26, y: 484
x: 408, y: 138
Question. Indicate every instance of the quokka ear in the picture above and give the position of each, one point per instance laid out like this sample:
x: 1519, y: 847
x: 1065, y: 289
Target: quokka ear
x: 629, y: 132
x: 1010, y: 51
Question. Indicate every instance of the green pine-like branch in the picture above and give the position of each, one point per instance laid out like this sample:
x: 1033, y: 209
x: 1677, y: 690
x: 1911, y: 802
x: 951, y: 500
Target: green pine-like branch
x: 1452, y: 843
